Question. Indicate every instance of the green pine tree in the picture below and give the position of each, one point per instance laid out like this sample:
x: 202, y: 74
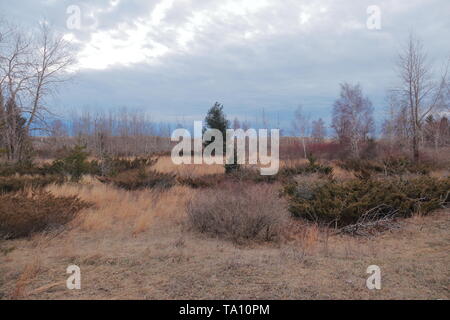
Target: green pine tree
x: 216, y: 119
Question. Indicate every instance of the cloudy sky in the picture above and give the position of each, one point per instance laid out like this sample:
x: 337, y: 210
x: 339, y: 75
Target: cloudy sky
x: 175, y: 58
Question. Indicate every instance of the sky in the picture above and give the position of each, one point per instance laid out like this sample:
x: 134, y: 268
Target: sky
x: 174, y: 58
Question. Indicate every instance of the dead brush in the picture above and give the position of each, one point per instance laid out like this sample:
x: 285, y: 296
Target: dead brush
x: 373, y: 222
x: 238, y: 213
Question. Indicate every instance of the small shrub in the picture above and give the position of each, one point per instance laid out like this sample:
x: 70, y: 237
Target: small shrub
x: 17, y: 183
x: 113, y: 166
x: 301, y: 169
x: 403, y: 165
x: 306, y: 185
x: 26, y: 168
x: 361, y: 166
x: 140, y: 179
x: 10, y: 169
x: 238, y: 213
x: 22, y: 214
x: 74, y: 164
x: 202, y: 181
x: 389, y: 166
x: 242, y: 175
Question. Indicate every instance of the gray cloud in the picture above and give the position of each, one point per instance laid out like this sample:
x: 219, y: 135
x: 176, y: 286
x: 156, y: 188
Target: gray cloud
x: 246, y: 57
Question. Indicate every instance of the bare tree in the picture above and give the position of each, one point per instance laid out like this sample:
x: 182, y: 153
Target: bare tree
x: 352, y: 117
x: 32, y: 65
x: 301, y: 126
x: 52, y: 57
x: 318, y: 131
x: 418, y: 92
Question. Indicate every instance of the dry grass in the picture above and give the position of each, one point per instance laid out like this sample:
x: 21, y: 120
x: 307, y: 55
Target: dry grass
x: 114, y: 207
x: 135, y: 244
x: 342, y: 175
x: 28, y: 273
x: 166, y: 165
x: 293, y: 162
x: 169, y: 263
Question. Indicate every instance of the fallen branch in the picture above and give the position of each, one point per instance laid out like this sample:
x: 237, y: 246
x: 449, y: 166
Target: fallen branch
x: 372, y: 222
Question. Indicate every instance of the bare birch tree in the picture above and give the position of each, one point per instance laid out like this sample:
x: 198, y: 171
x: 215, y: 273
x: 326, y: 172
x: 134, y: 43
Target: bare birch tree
x: 301, y: 126
x: 51, y: 60
x: 318, y: 131
x: 352, y: 117
x: 418, y: 91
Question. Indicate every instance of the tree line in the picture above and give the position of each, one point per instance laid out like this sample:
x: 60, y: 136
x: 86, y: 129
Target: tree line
x: 419, y: 107
x: 34, y: 63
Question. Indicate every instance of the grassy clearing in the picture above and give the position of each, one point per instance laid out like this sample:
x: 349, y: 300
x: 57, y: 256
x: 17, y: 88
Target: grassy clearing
x: 146, y: 244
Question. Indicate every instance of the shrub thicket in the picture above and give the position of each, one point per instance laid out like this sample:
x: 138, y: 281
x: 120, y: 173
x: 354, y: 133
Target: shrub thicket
x: 140, y: 179
x: 113, y: 166
x: 389, y: 166
x: 22, y: 214
x: 345, y: 202
x: 17, y: 183
x: 22, y: 168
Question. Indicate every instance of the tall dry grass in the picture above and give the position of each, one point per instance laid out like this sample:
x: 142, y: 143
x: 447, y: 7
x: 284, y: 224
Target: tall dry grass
x: 134, y: 211
x: 166, y: 165
x: 29, y: 272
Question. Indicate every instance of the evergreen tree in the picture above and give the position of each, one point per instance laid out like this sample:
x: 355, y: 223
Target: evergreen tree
x: 216, y: 119
x: 16, y: 141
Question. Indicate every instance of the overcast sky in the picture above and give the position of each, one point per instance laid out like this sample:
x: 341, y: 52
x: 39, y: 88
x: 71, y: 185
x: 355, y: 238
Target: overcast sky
x: 175, y: 58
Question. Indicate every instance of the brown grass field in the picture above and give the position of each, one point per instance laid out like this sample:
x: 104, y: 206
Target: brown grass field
x: 137, y: 245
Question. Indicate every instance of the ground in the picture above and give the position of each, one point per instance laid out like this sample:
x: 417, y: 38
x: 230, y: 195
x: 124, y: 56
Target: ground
x: 137, y: 245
